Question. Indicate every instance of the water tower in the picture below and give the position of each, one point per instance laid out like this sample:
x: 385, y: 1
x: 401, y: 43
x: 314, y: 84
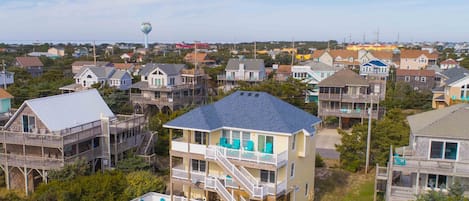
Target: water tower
x: 146, y: 28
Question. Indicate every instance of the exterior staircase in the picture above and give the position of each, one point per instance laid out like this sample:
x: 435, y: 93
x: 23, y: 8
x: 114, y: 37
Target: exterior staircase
x: 215, y: 184
x: 146, y: 147
x: 242, y: 176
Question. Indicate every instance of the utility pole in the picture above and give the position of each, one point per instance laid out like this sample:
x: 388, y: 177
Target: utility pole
x: 4, y: 75
x: 368, y: 138
x: 195, y: 69
x: 255, y: 50
x: 293, y: 52
x: 94, y: 52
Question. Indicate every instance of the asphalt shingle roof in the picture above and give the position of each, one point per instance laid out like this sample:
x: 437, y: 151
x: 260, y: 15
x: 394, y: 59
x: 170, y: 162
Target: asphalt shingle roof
x: 249, y: 64
x: 247, y: 110
x: 29, y: 61
x: 169, y: 69
x: 342, y: 78
x: 449, y: 122
x: 455, y: 74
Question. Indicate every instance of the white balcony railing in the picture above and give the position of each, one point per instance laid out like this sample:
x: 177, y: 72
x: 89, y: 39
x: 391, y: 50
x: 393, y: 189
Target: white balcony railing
x: 236, y: 154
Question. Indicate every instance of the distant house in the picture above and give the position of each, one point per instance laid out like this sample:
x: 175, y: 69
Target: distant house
x: 57, y: 51
x: 448, y: 63
x: 347, y: 96
x: 365, y: 56
x: 6, y: 78
x: 420, y: 80
x: 377, y: 73
x: 283, y: 72
x: 127, y: 56
x: 247, y: 70
x: 452, y: 89
x: 78, y: 65
x: 200, y: 58
x: 31, y: 64
x: 89, y: 76
x: 167, y: 87
x: 338, y: 58
x: 129, y: 67
x: 5, y: 104
x: 417, y: 59
x: 80, y: 51
x: 311, y: 73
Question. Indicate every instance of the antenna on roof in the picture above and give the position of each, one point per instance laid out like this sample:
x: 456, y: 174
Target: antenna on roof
x: 293, y: 51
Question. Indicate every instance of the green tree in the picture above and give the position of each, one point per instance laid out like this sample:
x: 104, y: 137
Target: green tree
x: 141, y: 182
x: 132, y: 163
x: 70, y: 171
x: 391, y: 130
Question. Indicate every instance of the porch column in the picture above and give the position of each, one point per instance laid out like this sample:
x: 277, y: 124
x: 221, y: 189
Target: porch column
x: 416, y: 190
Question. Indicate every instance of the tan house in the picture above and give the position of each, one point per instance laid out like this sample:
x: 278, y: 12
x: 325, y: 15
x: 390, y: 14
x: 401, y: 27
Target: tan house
x: 247, y: 146
x: 338, y: 58
x: 417, y: 59
x: 41, y: 137
x: 452, y: 89
x: 199, y: 58
x: 56, y: 51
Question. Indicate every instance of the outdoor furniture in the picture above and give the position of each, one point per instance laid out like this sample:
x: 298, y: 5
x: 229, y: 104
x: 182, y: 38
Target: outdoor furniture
x: 398, y: 160
x: 269, y: 148
x: 236, y: 144
x: 249, y: 146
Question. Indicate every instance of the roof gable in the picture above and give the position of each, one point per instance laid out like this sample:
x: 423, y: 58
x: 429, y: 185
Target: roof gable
x: 29, y: 61
x: 81, y: 108
x: 249, y: 64
x: 342, y: 78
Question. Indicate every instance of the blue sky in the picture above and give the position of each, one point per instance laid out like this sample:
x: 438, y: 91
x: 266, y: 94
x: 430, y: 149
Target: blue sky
x: 233, y: 20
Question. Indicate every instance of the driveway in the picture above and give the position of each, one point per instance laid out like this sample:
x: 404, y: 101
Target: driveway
x: 326, y: 140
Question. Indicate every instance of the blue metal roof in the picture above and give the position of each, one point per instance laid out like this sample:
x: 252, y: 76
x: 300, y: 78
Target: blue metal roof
x: 378, y: 63
x: 247, y: 110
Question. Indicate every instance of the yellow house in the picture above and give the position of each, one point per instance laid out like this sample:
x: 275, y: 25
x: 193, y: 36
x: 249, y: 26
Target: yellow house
x: 375, y: 47
x: 247, y: 146
x: 454, y: 88
x: 303, y: 57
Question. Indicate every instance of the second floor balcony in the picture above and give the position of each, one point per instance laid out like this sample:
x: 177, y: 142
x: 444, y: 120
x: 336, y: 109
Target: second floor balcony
x: 238, y: 153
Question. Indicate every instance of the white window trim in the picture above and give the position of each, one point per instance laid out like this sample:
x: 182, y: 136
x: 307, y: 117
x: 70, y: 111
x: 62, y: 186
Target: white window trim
x: 444, y: 143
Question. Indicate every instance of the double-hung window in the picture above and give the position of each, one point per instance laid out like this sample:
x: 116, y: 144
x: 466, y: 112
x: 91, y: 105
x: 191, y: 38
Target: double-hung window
x: 267, y: 176
x: 198, y: 165
x: 443, y: 150
x: 200, y: 137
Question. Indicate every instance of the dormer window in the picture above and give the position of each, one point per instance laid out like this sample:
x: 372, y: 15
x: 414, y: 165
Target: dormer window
x: 241, y: 66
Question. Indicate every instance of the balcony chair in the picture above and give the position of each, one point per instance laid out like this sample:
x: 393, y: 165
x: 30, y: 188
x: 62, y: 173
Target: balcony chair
x: 269, y: 148
x: 236, y: 144
x: 224, y: 142
x: 398, y: 160
x: 249, y: 146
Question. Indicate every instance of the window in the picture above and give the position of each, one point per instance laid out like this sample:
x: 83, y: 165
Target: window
x: 262, y: 143
x: 157, y: 94
x: 465, y: 90
x: 306, y: 189
x: 29, y: 123
x: 172, y: 81
x: 89, y: 76
x: 267, y: 176
x: 198, y: 165
x: 292, y: 170
x: 423, y: 79
x: 293, y: 143
x: 443, y: 150
x: 200, y: 137
x: 436, y: 181
x: 246, y: 138
x: 251, y: 75
x: 417, y: 78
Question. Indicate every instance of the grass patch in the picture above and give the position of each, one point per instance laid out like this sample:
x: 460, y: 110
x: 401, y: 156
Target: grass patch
x: 341, y: 185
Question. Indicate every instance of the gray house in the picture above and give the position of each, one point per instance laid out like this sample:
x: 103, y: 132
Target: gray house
x: 247, y: 70
x: 437, y: 155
